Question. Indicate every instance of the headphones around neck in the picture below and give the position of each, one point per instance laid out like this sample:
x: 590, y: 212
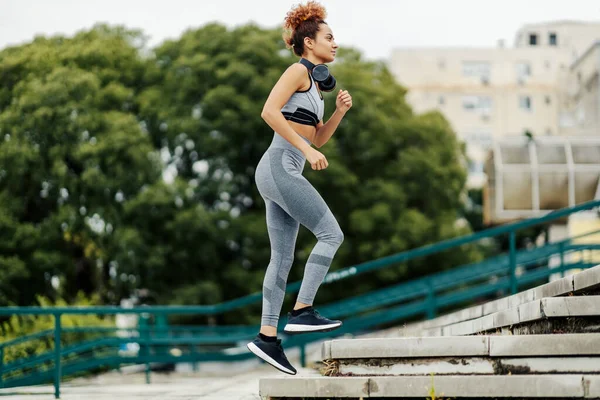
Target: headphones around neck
x: 320, y: 74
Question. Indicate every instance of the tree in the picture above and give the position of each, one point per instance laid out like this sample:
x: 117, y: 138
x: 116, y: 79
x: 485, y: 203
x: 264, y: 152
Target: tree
x: 72, y: 152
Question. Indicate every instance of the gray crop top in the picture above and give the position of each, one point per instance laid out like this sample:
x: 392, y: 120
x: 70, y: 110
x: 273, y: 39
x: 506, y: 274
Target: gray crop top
x: 305, y: 106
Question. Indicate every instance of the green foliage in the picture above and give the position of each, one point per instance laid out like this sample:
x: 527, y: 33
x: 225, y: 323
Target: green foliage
x: 71, y: 151
x: 21, y: 326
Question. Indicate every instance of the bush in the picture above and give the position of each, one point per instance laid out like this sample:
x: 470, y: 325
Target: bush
x: 19, y: 326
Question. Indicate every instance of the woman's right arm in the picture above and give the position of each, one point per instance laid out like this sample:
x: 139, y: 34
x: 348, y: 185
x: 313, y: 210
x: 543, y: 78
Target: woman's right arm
x: 289, y: 82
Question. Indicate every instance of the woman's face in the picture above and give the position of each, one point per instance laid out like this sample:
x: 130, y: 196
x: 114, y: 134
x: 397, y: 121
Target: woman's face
x: 324, y: 46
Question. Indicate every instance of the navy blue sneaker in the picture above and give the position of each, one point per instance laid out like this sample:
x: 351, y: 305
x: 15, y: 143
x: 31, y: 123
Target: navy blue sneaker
x: 271, y: 352
x: 309, y: 320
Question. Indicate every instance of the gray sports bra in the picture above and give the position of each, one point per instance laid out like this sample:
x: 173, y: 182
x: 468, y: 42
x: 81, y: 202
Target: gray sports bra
x: 305, y: 106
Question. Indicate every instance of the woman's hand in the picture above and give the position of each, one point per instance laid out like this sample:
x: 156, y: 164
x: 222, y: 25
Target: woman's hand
x: 343, y: 102
x: 316, y: 159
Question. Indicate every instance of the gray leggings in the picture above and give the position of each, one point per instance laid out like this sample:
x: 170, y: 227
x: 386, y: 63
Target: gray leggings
x: 290, y: 201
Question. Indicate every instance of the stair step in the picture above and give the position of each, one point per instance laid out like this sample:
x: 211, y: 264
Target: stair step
x: 577, y: 283
x: 468, y: 366
x: 472, y: 386
x: 536, y: 310
x: 480, y: 345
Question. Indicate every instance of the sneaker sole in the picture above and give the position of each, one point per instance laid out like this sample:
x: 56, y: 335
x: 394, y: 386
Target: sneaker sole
x: 264, y: 356
x: 296, y: 328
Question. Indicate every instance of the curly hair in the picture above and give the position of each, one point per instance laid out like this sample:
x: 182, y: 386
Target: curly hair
x: 300, y: 22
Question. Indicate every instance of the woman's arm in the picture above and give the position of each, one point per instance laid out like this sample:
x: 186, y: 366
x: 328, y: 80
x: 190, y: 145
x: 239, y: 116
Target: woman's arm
x: 325, y: 131
x: 290, y: 81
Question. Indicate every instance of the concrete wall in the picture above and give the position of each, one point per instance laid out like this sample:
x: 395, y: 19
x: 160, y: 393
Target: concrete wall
x: 581, y: 114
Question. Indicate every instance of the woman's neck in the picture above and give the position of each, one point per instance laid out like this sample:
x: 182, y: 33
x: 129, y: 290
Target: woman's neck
x: 313, y: 59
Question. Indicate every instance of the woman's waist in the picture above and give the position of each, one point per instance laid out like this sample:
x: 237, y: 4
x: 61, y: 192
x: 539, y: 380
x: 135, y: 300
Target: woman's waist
x: 279, y: 142
x: 308, y: 132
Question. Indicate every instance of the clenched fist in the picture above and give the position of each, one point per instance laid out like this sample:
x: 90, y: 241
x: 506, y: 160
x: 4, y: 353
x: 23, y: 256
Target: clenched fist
x: 343, y: 102
x: 316, y: 159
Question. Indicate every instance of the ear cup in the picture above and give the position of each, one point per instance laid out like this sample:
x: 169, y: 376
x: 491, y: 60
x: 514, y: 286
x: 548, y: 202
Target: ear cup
x: 321, y: 75
x: 328, y: 84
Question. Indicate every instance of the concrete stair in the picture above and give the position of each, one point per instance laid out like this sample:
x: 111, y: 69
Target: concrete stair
x: 485, y: 351
x: 482, y: 355
x: 572, y: 296
x: 513, y: 319
x: 425, y: 387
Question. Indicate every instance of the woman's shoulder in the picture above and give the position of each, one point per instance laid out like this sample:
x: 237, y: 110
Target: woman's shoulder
x: 296, y: 75
x: 296, y: 69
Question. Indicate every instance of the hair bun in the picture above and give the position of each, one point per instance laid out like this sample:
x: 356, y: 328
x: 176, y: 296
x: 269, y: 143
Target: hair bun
x: 303, y: 12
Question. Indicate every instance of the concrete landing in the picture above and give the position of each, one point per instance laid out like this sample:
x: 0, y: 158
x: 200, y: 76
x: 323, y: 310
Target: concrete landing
x: 173, y: 386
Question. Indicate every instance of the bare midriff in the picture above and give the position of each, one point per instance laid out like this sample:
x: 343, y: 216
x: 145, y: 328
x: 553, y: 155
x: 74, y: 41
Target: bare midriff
x: 306, y: 131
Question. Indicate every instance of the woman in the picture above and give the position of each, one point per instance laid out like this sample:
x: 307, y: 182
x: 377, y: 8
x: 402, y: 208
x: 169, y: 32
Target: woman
x: 294, y: 109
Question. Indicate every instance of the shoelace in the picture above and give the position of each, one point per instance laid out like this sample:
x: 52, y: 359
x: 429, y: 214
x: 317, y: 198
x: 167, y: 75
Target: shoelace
x: 315, y: 313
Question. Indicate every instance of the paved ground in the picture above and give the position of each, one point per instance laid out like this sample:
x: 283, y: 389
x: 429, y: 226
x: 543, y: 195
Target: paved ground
x: 173, y: 386
x: 222, y: 381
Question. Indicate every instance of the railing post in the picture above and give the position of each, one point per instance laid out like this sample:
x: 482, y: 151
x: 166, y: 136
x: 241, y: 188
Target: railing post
x: 57, y: 351
x: 431, y: 306
x: 303, y: 355
x: 193, y: 354
x: 1, y: 365
x: 146, y: 344
x: 513, y: 261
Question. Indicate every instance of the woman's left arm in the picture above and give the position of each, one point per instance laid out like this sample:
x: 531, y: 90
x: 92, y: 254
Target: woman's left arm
x: 325, y: 131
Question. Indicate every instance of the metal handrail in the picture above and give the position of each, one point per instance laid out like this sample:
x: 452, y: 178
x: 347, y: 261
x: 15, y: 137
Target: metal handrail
x: 511, y: 229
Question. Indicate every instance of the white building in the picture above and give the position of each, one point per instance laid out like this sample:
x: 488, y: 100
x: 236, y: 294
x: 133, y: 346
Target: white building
x: 547, y: 84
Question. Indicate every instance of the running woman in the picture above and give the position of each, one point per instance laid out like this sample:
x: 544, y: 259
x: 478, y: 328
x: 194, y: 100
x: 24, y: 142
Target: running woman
x: 294, y: 110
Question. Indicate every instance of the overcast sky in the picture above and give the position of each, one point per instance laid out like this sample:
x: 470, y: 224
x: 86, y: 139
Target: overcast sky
x: 373, y: 26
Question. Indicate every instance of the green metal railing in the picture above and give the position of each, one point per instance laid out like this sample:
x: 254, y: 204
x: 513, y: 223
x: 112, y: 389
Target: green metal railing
x: 422, y: 296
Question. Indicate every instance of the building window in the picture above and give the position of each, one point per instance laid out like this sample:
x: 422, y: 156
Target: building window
x: 475, y: 167
x: 479, y: 138
x: 441, y: 64
x: 525, y: 103
x: 552, y: 39
x: 566, y: 120
x: 480, y: 104
x: 533, y: 39
x: 470, y: 103
x: 580, y: 114
x: 548, y: 100
x: 523, y: 70
x: 441, y: 100
x: 479, y: 69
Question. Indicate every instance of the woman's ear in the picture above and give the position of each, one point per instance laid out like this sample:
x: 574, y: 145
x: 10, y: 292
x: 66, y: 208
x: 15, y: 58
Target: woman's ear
x: 308, y: 43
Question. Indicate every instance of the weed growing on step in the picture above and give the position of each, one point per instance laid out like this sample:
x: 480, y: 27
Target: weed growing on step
x: 432, y: 395
x: 330, y: 367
